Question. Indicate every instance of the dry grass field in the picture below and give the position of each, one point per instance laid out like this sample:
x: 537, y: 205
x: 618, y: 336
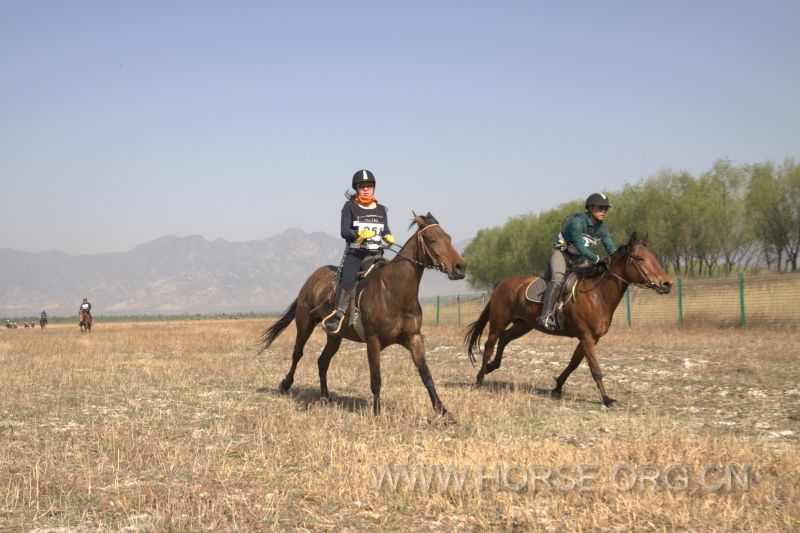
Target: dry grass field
x: 178, y: 426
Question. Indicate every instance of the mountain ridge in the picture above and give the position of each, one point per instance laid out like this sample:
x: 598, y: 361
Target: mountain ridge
x: 173, y: 274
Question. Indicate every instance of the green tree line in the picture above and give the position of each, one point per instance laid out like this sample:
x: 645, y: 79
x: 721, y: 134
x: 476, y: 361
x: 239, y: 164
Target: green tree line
x: 731, y: 217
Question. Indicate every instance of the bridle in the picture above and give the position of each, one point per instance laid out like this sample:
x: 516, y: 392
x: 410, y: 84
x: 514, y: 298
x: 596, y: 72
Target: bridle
x: 436, y: 264
x: 649, y: 283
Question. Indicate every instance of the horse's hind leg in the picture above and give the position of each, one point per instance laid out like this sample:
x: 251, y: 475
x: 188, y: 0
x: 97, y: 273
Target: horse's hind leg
x: 577, y: 357
x: 488, y: 350
x: 517, y: 330
x: 331, y: 347
x: 304, y: 330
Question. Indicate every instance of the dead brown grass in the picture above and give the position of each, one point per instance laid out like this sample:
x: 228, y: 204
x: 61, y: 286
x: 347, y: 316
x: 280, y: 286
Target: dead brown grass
x: 161, y: 427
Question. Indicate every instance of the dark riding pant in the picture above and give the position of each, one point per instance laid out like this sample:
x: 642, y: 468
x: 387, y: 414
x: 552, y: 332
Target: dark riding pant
x: 350, y: 269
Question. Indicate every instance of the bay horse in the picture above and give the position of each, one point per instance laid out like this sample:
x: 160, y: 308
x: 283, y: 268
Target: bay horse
x: 587, y: 317
x: 388, y: 304
x: 42, y: 322
x: 85, y: 322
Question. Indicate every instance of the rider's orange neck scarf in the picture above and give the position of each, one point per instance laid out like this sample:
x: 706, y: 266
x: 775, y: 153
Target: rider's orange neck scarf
x: 366, y: 202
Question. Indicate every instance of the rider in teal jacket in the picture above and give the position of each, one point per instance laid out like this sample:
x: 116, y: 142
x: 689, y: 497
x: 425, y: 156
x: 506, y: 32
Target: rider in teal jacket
x: 580, y: 231
x: 571, y: 247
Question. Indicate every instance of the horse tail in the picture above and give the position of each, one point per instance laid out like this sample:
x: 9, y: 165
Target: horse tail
x: 472, y: 337
x: 272, y: 333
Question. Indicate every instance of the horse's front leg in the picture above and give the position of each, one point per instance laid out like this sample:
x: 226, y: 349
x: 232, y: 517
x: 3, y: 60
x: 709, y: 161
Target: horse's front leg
x: 374, y: 358
x: 416, y: 346
x: 594, y: 366
x: 577, y: 357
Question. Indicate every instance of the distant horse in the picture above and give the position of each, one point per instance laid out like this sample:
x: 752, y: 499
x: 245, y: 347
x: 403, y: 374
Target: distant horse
x: 85, y: 322
x: 43, y: 322
x: 388, y: 306
x: 511, y: 315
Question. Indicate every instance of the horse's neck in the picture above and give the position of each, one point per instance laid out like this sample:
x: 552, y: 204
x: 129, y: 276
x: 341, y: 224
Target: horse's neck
x: 401, y: 271
x: 612, y: 285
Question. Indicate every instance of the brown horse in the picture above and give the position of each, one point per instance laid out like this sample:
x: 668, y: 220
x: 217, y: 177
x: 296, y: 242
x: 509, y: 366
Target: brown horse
x: 388, y: 304
x: 85, y: 322
x: 587, y: 317
x: 42, y: 322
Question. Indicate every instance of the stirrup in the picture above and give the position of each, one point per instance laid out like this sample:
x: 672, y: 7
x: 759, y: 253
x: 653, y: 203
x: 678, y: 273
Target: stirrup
x: 548, y: 323
x: 330, y: 322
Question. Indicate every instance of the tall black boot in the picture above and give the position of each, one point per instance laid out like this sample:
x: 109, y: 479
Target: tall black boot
x: 333, y: 321
x: 546, y: 318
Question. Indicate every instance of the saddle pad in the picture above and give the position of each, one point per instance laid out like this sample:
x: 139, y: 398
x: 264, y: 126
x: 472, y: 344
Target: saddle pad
x: 535, y: 290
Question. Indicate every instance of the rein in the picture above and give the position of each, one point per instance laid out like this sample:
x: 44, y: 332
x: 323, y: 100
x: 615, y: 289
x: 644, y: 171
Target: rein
x: 648, y: 284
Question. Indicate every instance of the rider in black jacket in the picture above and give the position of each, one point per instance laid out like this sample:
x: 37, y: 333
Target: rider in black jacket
x: 364, y: 223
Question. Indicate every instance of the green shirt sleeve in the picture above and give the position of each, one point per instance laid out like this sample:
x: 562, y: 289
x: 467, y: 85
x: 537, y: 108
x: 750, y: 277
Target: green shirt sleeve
x: 608, y: 244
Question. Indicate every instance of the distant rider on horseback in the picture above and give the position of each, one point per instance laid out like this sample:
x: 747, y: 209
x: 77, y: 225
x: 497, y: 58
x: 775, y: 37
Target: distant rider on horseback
x: 364, y: 223
x: 85, y: 307
x: 579, y: 232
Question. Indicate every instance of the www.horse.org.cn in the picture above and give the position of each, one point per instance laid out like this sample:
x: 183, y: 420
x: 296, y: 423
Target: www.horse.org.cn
x: 517, y: 477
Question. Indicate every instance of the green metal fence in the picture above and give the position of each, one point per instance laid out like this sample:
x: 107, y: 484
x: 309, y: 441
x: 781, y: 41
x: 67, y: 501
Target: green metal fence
x: 740, y: 300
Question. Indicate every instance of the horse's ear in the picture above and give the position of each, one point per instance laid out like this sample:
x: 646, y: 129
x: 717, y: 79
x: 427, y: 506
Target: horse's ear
x: 632, y: 240
x: 418, y: 219
x: 644, y: 241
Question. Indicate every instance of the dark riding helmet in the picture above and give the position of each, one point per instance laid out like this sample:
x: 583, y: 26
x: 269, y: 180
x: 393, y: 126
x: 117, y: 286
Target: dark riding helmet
x: 363, y: 176
x: 598, y: 199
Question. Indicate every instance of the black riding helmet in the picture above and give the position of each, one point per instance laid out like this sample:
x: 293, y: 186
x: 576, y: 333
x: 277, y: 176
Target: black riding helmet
x: 598, y: 199
x: 363, y: 176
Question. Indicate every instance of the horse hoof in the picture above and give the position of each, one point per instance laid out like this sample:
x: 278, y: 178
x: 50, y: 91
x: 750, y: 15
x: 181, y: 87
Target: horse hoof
x: 479, y: 381
x: 325, y: 399
x: 284, y: 387
x: 608, y: 402
x: 447, y: 419
x: 555, y: 394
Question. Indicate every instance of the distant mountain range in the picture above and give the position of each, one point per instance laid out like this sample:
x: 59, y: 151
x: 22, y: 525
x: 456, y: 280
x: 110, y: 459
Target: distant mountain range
x: 174, y: 275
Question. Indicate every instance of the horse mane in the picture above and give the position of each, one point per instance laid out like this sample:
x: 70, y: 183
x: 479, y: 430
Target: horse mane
x: 625, y: 249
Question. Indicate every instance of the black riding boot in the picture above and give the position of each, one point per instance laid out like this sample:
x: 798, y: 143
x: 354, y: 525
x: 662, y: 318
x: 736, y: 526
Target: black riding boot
x: 332, y: 324
x: 546, y: 318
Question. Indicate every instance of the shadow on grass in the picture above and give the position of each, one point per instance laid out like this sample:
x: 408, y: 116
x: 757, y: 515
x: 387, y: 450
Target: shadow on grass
x: 308, y: 397
x: 525, y: 388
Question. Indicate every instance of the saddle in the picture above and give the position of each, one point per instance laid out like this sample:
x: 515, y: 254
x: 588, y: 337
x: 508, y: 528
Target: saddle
x: 535, y: 291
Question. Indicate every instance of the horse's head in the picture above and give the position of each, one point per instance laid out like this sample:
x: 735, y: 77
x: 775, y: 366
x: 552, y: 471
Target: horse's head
x: 435, y: 248
x: 639, y: 266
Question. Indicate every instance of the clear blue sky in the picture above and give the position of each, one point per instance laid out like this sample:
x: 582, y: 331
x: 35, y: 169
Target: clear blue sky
x: 240, y: 119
